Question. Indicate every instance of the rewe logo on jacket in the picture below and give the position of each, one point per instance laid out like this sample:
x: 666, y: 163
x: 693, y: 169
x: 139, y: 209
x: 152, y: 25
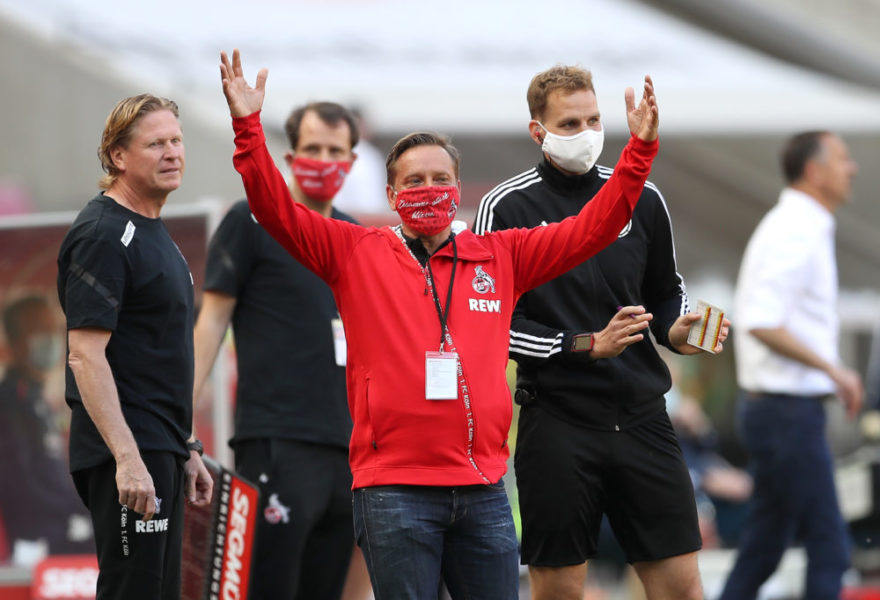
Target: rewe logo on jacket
x: 483, y: 305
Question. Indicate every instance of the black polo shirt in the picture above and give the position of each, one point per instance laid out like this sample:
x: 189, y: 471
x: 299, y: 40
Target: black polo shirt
x: 289, y: 385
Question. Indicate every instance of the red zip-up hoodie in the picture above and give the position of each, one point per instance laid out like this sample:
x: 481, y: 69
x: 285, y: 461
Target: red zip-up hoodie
x: 391, y: 320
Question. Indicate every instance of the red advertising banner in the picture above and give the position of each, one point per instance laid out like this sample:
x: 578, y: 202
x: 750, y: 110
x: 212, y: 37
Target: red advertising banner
x: 239, y: 503
x: 65, y: 578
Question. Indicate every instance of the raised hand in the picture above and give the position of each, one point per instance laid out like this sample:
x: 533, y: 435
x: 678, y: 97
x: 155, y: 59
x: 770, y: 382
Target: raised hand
x: 242, y: 98
x: 644, y: 119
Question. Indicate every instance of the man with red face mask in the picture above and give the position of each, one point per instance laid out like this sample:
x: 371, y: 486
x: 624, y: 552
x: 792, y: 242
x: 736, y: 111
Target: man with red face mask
x: 426, y: 315
x: 291, y: 419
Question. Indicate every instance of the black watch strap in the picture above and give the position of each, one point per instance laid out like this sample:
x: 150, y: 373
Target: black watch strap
x: 196, y: 446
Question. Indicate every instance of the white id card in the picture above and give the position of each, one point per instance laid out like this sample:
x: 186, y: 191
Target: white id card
x: 441, y: 375
x: 704, y: 333
x: 340, y: 348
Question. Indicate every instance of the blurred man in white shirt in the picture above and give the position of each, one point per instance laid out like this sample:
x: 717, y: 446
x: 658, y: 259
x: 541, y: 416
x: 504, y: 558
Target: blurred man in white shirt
x: 787, y: 364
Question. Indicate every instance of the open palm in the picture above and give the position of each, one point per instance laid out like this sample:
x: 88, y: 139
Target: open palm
x: 241, y: 97
x: 644, y: 119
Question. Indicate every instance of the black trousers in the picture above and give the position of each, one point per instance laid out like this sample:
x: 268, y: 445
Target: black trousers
x: 305, y: 532
x: 137, y: 560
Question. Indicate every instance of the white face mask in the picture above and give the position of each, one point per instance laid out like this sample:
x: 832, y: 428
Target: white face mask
x: 575, y: 153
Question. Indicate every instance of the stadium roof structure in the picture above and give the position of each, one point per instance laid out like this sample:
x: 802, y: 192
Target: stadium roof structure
x: 456, y: 65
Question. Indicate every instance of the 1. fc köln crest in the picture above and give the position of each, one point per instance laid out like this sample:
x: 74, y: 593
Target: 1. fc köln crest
x: 483, y: 282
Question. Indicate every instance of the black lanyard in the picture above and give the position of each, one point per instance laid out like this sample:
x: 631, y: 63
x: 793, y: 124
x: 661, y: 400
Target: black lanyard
x: 443, y: 314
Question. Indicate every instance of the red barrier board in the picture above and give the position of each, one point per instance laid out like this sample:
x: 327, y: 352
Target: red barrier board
x: 219, y: 539
x: 65, y: 578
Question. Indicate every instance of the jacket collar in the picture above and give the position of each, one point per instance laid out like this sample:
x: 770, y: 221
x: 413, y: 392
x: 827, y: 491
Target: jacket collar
x: 468, y: 246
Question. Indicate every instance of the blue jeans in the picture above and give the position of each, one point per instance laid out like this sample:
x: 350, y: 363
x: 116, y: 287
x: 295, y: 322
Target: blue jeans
x: 794, y: 497
x: 411, y: 536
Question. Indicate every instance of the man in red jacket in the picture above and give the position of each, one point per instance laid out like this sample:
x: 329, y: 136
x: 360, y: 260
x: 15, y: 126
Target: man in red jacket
x: 426, y: 315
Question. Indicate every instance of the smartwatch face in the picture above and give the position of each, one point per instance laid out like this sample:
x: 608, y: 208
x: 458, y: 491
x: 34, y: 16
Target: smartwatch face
x: 582, y: 343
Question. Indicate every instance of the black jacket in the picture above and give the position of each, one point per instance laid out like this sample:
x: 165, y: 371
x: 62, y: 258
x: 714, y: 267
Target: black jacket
x: 638, y: 268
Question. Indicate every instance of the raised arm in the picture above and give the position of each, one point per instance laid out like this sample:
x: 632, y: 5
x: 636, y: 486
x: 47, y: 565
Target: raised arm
x: 322, y: 245
x: 542, y: 253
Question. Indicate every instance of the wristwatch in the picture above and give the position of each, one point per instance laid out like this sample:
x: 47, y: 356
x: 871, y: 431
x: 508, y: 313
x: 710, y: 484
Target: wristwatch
x: 582, y: 342
x: 196, y: 446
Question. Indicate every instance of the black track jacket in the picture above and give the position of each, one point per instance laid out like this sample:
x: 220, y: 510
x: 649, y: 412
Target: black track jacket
x: 637, y: 269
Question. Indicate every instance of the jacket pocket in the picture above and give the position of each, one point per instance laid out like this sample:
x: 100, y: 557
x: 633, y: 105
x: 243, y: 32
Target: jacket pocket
x: 374, y: 443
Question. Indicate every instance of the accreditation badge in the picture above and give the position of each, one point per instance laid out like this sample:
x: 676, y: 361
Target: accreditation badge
x: 441, y: 375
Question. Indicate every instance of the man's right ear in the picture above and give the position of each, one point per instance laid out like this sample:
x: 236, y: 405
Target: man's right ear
x: 288, y: 158
x: 392, y: 197
x: 117, y: 157
x: 536, y: 132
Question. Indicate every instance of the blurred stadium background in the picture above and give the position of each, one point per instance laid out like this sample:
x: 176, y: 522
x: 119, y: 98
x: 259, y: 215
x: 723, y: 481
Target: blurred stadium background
x: 733, y: 79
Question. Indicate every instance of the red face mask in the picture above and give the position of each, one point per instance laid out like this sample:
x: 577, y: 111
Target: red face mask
x: 428, y: 210
x: 320, y: 180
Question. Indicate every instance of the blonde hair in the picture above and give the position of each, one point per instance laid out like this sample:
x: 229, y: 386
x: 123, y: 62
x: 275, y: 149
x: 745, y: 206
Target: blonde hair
x: 119, y: 129
x: 560, y: 77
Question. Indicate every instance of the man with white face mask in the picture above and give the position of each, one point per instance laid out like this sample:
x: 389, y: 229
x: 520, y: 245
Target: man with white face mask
x: 590, y: 382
